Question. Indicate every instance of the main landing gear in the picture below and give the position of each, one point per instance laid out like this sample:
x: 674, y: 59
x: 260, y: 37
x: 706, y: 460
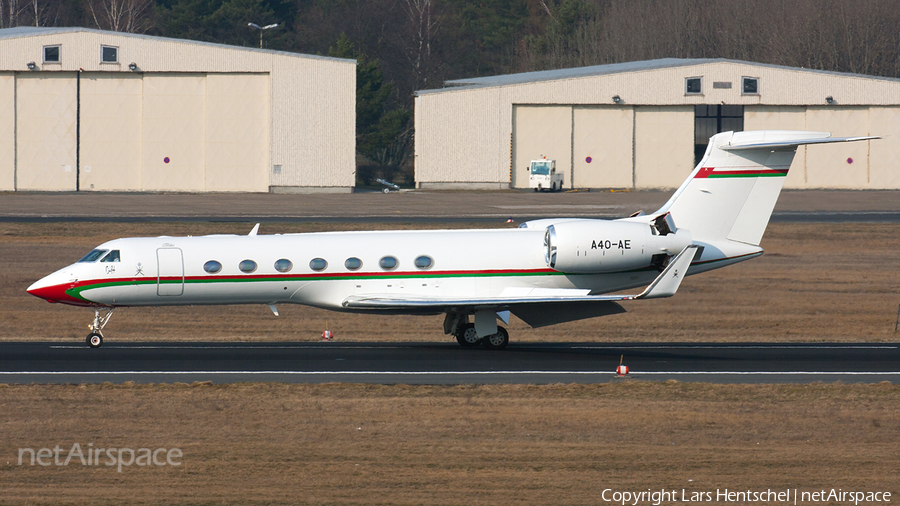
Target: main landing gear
x: 467, y: 337
x: 95, y: 338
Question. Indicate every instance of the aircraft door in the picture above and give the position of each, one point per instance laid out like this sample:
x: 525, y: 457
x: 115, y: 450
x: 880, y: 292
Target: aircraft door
x: 170, y: 275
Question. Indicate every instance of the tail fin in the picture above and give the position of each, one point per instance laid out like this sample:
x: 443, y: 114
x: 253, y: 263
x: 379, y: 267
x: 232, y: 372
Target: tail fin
x: 731, y: 193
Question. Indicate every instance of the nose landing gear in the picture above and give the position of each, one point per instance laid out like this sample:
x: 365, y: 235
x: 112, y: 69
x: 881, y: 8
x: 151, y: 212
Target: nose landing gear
x: 95, y: 338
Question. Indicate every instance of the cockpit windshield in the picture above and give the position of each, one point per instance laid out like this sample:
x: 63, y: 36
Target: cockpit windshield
x: 93, y: 256
x: 540, y: 168
x: 113, y: 256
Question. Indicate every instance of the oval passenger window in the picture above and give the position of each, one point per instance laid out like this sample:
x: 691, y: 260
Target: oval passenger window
x: 424, y: 262
x: 212, y: 267
x: 247, y: 266
x: 353, y: 263
x: 318, y: 264
x: 388, y: 263
x: 283, y: 265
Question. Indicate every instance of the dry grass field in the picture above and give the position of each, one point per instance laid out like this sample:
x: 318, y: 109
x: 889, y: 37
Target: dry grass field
x: 816, y: 282
x: 498, y: 445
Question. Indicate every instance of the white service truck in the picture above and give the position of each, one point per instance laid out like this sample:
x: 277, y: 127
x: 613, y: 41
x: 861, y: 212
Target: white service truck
x: 542, y: 176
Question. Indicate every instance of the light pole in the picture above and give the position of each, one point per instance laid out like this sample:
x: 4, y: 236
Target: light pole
x: 261, y: 30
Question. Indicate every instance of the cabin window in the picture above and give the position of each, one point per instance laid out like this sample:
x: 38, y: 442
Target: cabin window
x: 353, y: 263
x: 693, y: 86
x: 212, y: 267
x: 750, y: 86
x: 283, y: 265
x: 247, y: 266
x: 94, y: 255
x: 388, y: 263
x: 51, y: 54
x: 318, y: 264
x: 109, y: 54
x: 113, y: 256
x: 424, y: 262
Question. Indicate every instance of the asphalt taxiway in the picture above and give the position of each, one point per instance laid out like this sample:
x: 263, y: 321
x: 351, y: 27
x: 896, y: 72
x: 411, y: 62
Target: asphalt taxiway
x: 878, y: 206
x: 446, y: 363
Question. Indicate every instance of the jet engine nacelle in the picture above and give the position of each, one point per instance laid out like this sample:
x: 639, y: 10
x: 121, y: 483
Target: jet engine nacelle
x: 594, y: 246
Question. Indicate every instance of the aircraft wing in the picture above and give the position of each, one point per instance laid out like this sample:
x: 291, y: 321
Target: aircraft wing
x: 665, y: 285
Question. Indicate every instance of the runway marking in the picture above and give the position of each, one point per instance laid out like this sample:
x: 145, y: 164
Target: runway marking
x: 458, y: 373
x: 562, y: 206
x: 747, y: 346
x: 312, y: 346
x: 325, y: 346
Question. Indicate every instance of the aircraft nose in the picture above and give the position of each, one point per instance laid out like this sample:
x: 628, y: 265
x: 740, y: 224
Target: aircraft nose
x: 53, y: 288
x: 43, y: 289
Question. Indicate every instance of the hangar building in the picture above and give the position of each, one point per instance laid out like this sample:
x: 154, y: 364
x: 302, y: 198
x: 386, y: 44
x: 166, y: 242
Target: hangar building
x: 84, y: 109
x: 645, y: 124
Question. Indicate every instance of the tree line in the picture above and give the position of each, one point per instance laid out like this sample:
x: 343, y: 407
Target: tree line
x: 407, y: 45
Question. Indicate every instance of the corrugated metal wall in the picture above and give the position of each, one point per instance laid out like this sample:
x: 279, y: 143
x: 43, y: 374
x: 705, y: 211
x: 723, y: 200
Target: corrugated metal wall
x: 463, y: 134
x: 7, y: 132
x: 309, y: 106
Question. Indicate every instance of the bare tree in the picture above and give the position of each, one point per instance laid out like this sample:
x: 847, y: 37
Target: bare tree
x: 133, y: 16
x: 858, y: 37
x: 424, y: 24
x: 44, y: 12
x: 9, y: 13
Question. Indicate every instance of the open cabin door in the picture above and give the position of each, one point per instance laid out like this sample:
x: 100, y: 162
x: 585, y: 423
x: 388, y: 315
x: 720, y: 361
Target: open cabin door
x: 170, y: 275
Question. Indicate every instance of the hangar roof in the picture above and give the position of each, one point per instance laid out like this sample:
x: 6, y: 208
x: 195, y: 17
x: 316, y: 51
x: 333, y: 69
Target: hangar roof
x: 31, y: 31
x: 616, y: 68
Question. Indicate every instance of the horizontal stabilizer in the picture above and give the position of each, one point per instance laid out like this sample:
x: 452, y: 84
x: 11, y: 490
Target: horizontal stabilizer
x: 790, y: 144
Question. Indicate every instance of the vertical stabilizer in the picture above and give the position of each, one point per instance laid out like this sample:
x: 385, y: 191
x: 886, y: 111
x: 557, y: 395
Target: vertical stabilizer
x: 730, y: 195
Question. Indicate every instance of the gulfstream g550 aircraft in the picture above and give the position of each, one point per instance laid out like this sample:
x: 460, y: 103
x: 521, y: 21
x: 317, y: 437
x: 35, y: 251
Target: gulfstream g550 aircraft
x: 545, y: 272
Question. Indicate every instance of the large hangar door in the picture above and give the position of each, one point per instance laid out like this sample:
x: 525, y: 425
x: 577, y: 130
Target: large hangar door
x: 663, y: 145
x: 110, y: 131
x: 7, y: 132
x: 603, y: 147
x: 541, y: 131
x: 237, y: 132
x: 45, y: 117
x: 174, y: 132
x: 844, y: 165
x: 884, y: 155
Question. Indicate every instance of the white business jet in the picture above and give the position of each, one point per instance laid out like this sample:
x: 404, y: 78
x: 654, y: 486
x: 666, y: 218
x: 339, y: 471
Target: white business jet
x: 545, y: 272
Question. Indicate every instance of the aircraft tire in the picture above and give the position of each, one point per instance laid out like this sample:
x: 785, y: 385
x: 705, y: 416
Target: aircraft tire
x: 497, y: 341
x: 94, y: 340
x: 467, y: 337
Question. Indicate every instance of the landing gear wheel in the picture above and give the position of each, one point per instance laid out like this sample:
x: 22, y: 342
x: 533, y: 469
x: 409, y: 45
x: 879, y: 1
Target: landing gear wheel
x: 467, y: 337
x: 497, y: 341
x: 385, y: 190
x: 94, y: 340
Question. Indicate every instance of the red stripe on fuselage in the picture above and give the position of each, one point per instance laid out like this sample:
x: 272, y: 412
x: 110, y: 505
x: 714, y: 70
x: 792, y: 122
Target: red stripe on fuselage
x: 57, y: 293
x: 707, y: 172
